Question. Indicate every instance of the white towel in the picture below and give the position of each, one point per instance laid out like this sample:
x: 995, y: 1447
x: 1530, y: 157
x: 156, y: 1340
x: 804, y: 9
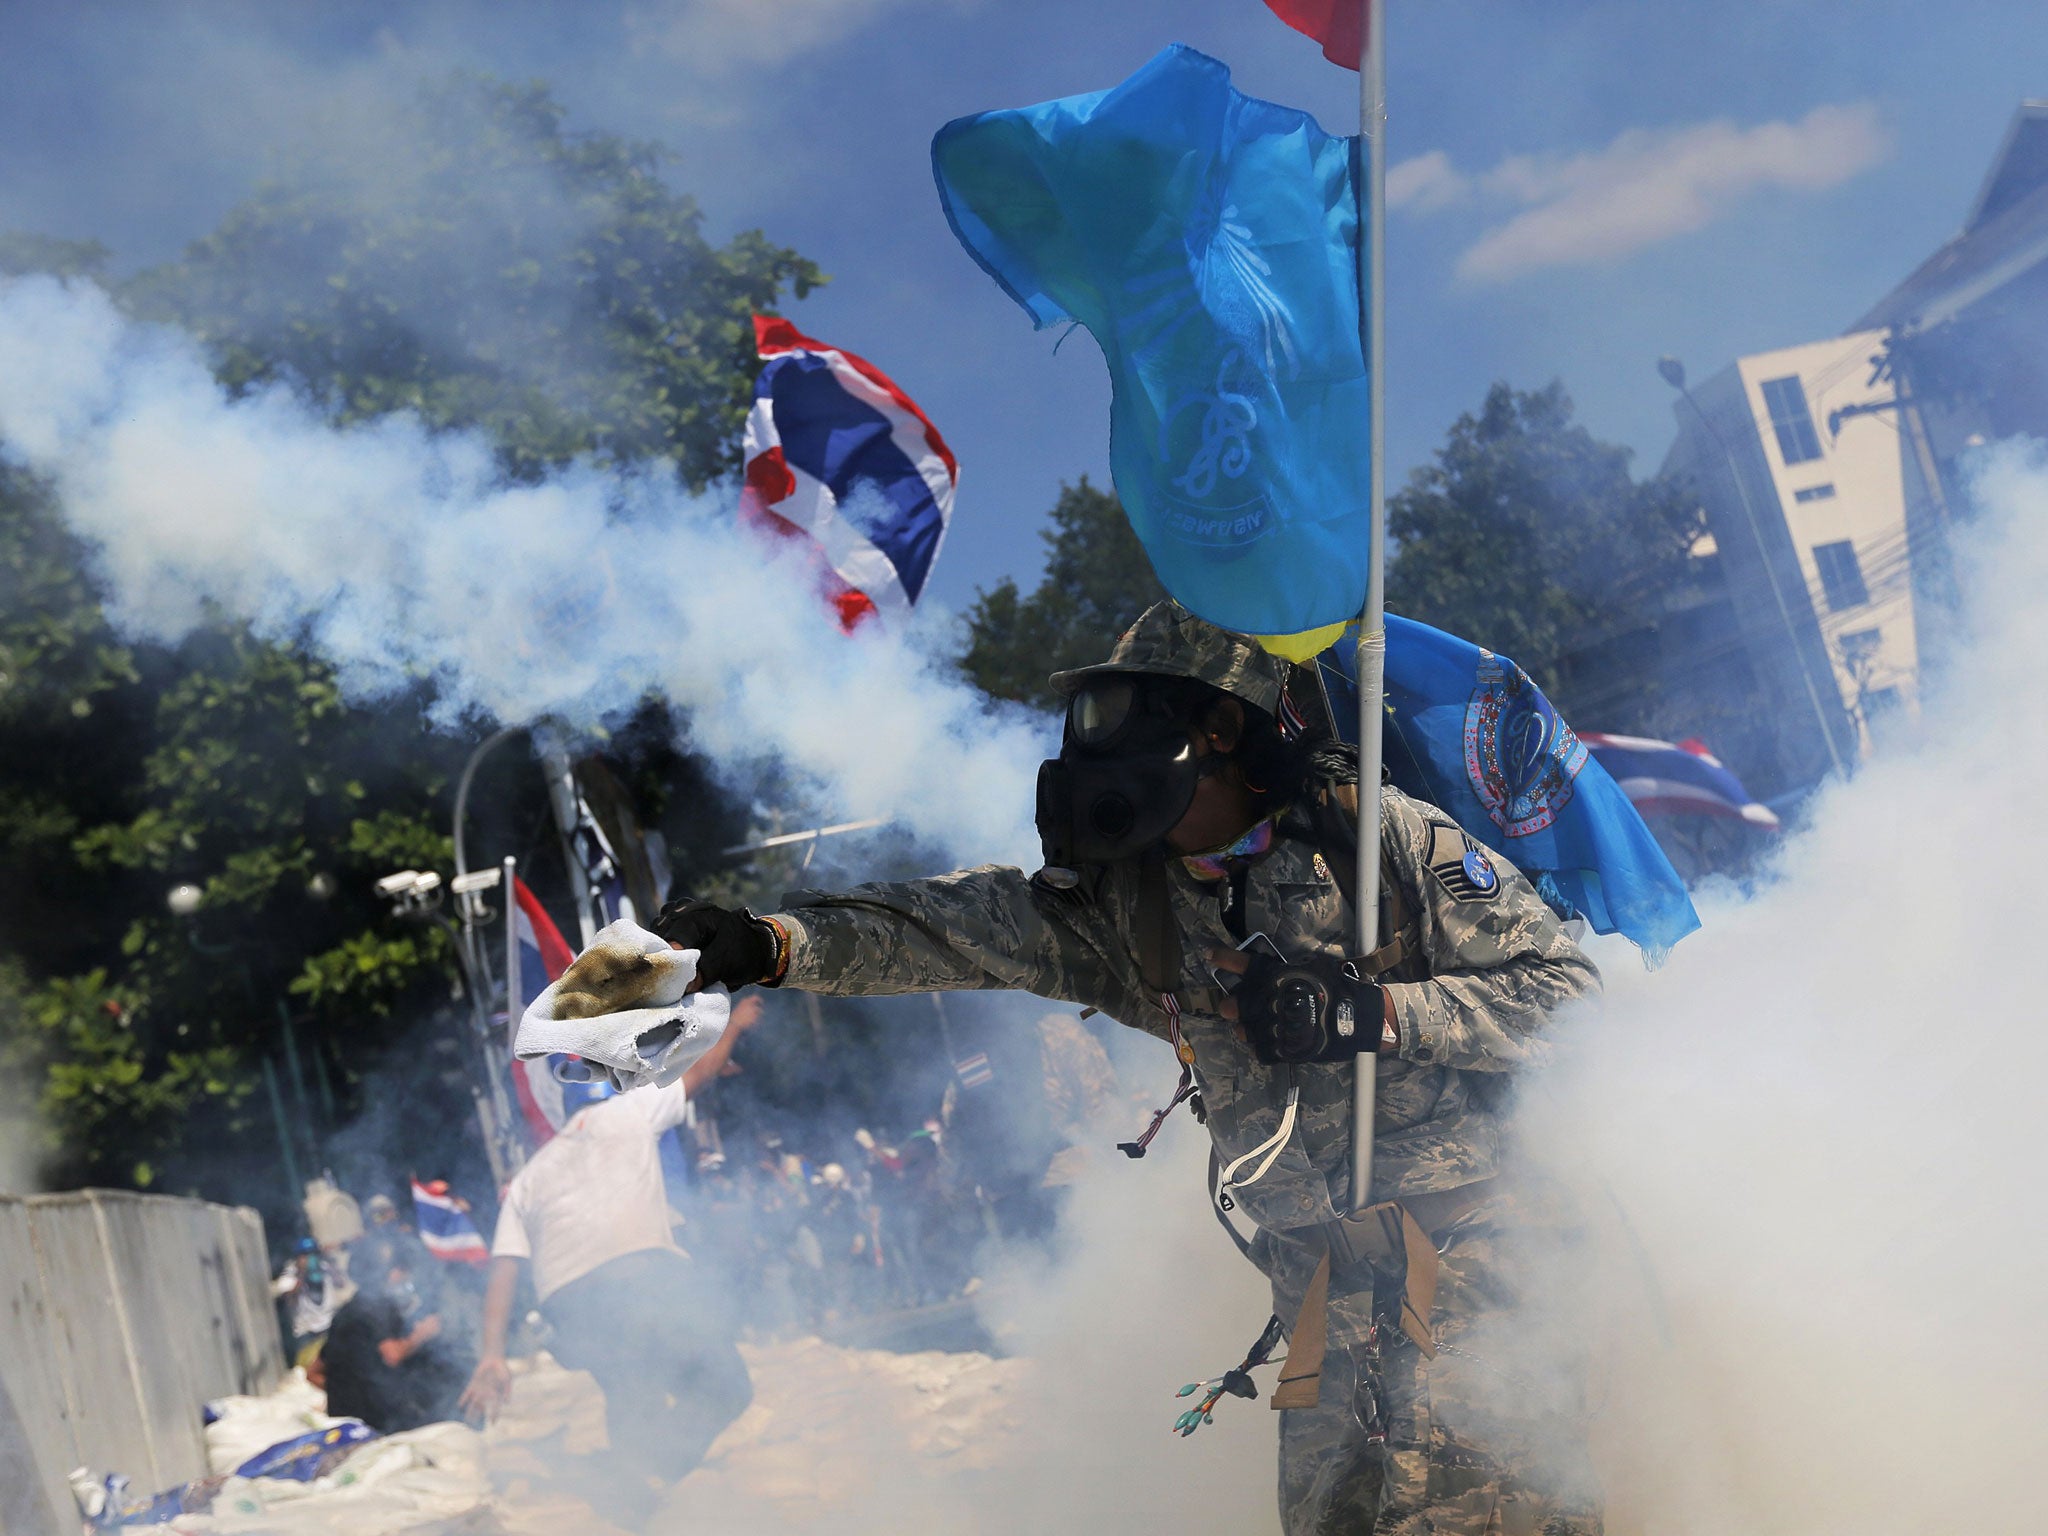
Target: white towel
x: 624, y: 1004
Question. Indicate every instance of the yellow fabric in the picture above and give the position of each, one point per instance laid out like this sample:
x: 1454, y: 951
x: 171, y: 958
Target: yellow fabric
x: 1310, y: 642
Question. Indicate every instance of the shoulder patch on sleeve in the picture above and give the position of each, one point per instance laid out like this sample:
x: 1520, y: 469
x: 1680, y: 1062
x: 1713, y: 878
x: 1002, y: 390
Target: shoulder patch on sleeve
x: 1461, y: 866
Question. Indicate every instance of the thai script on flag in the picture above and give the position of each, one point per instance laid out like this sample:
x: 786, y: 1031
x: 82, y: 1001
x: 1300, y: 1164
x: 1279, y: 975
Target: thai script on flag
x: 837, y: 452
x: 445, y: 1227
x: 1339, y: 25
x: 1208, y: 241
x: 1677, y: 779
x: 545, y: 1100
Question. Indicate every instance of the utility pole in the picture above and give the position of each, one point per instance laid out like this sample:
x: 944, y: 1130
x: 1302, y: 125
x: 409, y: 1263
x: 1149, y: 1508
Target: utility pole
x: 1672, y: 371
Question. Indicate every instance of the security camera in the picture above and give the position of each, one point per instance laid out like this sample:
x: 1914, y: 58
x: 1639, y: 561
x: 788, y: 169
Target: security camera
x: 411, y: 892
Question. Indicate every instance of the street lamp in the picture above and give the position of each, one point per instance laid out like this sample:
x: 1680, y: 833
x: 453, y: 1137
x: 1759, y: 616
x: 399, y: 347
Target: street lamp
x: 184, y: 900
x: 416, y: 896
x: 1672, y: 371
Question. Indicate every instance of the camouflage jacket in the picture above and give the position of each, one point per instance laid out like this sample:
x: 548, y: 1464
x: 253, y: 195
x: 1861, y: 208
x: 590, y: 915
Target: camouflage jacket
x: 1494, y: 961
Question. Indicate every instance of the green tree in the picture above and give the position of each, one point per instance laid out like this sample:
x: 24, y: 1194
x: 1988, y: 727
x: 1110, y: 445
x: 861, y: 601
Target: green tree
x: 502, y: 272
x: 547, y: 288
x: 1097, y: 580
x: 1529, y: 536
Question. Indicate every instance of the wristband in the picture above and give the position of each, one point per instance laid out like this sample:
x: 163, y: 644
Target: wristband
x: 780, y: 968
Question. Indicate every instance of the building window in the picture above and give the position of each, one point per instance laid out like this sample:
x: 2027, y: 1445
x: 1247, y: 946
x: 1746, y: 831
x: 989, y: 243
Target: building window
x: 1861, y: 645
x: 1785, y: 399
x: 1814, y: 492
x: 1841, y: 575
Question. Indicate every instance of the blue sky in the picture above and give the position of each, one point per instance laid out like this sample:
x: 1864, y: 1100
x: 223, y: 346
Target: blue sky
x: 1583, y: 186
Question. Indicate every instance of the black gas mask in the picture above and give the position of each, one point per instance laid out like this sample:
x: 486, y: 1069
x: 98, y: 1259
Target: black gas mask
x: 1126, y: 772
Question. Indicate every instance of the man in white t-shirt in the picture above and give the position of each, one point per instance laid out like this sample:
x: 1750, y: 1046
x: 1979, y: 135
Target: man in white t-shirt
x: 590, y: 1213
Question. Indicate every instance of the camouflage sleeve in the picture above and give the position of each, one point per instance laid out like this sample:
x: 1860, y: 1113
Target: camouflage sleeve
x: 978, y: 928
x: 1500, y: 960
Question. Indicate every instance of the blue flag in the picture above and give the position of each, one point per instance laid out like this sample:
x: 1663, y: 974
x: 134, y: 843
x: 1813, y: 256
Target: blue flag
x: 1208, y: 242
x: 1472, y: 733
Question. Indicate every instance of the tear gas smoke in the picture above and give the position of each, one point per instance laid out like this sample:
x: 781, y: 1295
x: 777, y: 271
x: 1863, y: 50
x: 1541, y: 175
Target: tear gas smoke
x: 400, y: 555
x: 17, y: 1159
x: 1821, y: 1311
x: 1819, y: 1120
x: 1803, y: 1151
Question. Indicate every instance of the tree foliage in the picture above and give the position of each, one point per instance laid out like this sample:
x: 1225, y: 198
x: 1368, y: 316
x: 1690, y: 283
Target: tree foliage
x: 1097, y: 580
x: 1529, y: 536
x: 503, y: 274
x: 549, y: 287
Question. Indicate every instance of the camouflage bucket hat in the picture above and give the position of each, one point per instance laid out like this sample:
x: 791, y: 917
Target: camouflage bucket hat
x: 1172, y: 642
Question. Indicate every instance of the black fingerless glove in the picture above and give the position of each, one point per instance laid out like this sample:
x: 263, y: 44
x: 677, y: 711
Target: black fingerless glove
x: 735, y: 948
x: 1308, y: 1010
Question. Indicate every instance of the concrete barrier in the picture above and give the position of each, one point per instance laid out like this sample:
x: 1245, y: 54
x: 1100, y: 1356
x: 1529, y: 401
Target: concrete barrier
x: 120, y: 1315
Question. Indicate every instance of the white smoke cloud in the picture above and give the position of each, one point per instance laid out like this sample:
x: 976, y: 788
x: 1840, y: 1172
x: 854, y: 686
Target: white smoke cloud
x: 18, y: 1174
x: 1805, y: 1149
x: 1820, y: 1119
x: 400, y: 555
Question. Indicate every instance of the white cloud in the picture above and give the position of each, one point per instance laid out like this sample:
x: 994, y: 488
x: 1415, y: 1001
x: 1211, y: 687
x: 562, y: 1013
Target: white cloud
x: 707, y: 36
x: 1427, y: 183
x: 1648, y: 186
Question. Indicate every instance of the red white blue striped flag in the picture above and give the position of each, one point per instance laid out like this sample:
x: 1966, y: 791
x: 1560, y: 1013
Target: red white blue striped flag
x: 837, y: 452
x: 544, y: 1099
x: 445, y: 1227
x: 1677, y: 779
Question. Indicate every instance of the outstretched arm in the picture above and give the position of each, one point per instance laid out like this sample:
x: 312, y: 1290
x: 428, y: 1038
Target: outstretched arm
x: 491, y: 1383
x: 975, y: 929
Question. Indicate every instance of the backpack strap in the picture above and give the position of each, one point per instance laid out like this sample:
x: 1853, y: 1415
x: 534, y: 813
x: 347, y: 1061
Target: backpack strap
x: 1336, y: 833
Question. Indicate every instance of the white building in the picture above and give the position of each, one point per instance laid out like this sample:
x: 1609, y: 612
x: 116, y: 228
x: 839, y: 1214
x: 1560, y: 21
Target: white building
x: 1829, y: 470
x: 1796, y: 454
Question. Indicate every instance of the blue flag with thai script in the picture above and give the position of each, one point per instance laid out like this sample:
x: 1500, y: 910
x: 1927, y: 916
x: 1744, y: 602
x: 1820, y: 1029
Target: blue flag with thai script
x: 1470, y: 731
x: 1208, y: 241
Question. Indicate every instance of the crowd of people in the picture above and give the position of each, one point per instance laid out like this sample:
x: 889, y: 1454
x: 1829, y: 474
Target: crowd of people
x: 602, y: 1255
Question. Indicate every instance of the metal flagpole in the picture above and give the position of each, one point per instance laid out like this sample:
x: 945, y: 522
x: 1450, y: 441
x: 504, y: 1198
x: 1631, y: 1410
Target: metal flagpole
x: 561, y: 781
x: 514, y: 1003
x: 1372, y: 629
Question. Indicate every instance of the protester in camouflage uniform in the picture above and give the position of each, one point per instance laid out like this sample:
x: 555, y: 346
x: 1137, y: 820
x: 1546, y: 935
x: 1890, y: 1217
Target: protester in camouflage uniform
x: 1482, y: 964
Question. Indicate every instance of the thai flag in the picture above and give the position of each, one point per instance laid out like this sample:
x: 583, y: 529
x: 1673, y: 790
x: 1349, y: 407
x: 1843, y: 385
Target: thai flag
x: 445, y: 1226
x: 836, y: 451
x: 1678, y: 779
x: 545, y: 1100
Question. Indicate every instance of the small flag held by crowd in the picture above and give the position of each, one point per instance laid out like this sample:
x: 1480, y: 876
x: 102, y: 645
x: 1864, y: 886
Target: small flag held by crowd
x: 837, y: 453
x: 444, y: 1225
x: 1677, y: 779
